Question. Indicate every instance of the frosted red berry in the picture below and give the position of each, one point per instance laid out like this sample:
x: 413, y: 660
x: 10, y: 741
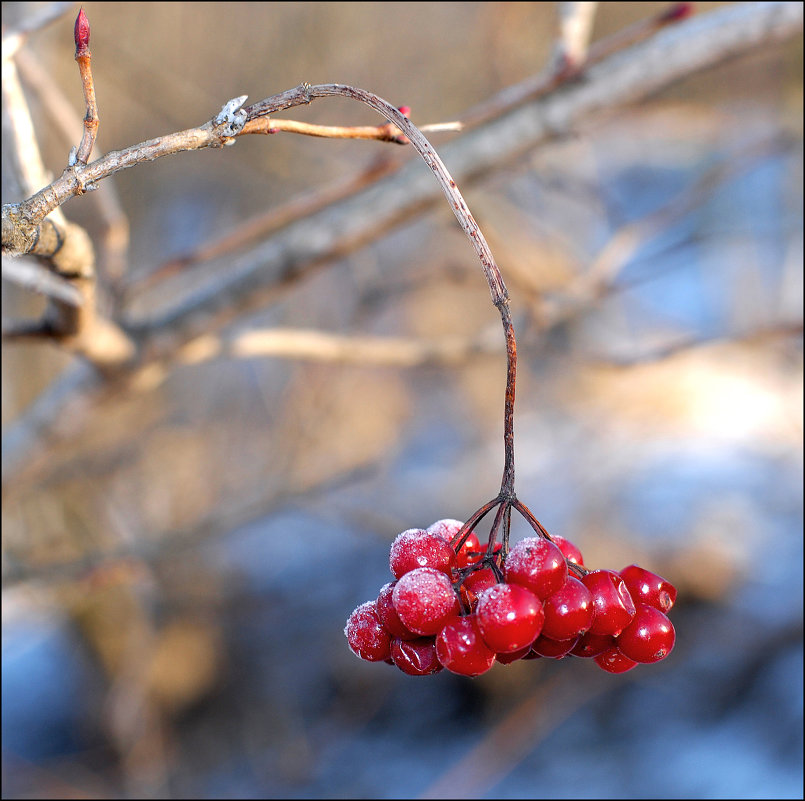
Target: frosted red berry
x: 649, y: 637
x: 568, y: 612
x: 415, y: 657
x: 613, y: 607
x: 646, y: 587
x: 461, y: 648
x: 536, y: 564
x: 416, y: 548
x: 366, y: 635
x: 388, y: 614
x: 509, y: 616
x: 425, y: 600
x: 470, y: 551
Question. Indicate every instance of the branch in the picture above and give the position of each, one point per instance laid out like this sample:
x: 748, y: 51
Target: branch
x: 263, y: 272
x: 257, y: 276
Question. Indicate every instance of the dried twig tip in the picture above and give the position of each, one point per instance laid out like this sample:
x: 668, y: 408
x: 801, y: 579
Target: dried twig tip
x: 81, y: 34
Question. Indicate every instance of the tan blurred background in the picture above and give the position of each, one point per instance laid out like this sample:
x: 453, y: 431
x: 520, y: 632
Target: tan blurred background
x: 177, y: 577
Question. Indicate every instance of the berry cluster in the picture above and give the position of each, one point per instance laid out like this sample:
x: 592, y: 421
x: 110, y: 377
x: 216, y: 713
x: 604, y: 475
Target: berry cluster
x: 455, y: 605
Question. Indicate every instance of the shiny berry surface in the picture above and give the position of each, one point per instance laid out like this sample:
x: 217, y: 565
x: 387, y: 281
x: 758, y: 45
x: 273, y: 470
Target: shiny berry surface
x: 649, y: 588
x: 416, y: 548
x: 475, y: 583
x: 568, y: 612
x: 613, y: 607
x: 425, y: 600
x: 416, y: 657
x: 590, y: 645
x: 613, y: 661
x: 538, y: 565
x: 366, y: 635
x: 509, y: 616
x: 570, y: 551
x: 461, y: 648
x: 649, y: 637
x: 553, y: 649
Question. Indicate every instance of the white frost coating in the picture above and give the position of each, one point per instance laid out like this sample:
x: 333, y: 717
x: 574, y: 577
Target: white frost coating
x: 415, y: 547
x: 364, y: 631
x: 446, y: 529
x: 423, y: 599
x: 232, y: 116
x: 227, y: 112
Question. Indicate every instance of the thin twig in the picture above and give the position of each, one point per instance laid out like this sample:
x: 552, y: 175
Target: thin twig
x: 379, y: 133
x: 83, y: 57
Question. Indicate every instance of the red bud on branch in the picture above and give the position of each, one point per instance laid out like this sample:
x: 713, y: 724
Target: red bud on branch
x: 678, y: 12
x: 405, y: 111
x: 81, y: 34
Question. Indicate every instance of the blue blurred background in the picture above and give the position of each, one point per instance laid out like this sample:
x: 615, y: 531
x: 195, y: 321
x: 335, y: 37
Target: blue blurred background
x: 175, y: 592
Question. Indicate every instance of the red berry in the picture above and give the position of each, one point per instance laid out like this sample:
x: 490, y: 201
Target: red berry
x: 470, y: 551
x: 509, y: 616
x: 571, y: 552
x: 590, y: 645
x: 475, y: 583
x: 417, y: 548
x: 388, y: 614
x: 649, y: 637
x: 461, y: 648
x: 415, y: 657
x: 538, y: 565
x: 613, y: 607
x: 568, y: 612
x: 613, y: 661
x: 366, y: 635
x: 553, y: 649
x: 446, y: 529
x: 425, y: 600
x: 649, y: 588
x: 514, y: 656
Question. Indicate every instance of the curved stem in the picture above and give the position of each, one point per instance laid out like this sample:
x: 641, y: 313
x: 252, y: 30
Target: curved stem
x: 497, y: 287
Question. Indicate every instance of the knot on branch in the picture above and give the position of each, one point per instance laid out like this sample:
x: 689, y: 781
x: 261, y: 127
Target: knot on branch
x: 231, y: 118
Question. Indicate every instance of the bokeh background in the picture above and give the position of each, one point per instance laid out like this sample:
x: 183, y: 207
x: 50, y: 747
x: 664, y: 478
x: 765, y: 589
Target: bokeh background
x: 176, y: 583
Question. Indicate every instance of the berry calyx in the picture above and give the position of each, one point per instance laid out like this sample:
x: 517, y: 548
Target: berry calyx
x: 425, y: 600
x: 538, y: 565
x: 510, y: 617
x: 417, y: 548
x: 461, y: 648
x: 366, y: 635
x: 649, y: 637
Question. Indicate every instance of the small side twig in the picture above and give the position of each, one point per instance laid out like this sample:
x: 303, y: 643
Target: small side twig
x: 84, y: 58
